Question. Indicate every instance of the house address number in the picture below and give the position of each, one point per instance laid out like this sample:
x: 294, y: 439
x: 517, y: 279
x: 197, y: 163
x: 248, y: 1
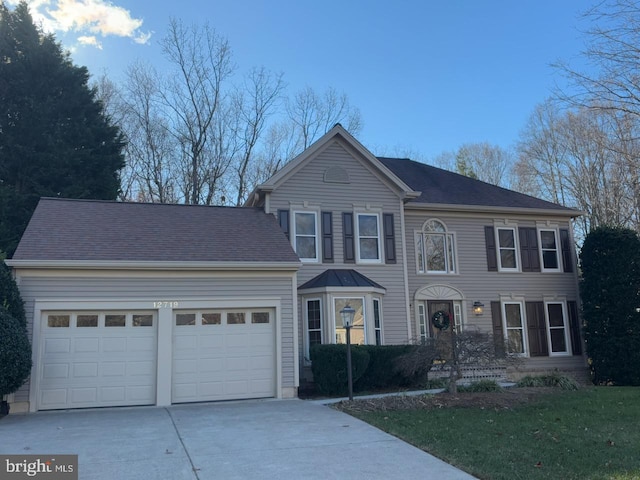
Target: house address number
x: 165, y: 304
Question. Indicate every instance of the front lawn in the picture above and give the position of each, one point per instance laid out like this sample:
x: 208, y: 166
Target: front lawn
x: 593, y: 433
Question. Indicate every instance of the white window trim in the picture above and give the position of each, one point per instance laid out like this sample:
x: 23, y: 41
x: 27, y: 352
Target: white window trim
x: 523, y: 316
x: 294, y: 236
x: 567, y: 338
x: 558, y: 250
x: 307, y: 343
x: 357, y: 237
x: 333, y: 315
x: 422, y: 320
x: 516, y: 246
x: 373, y: 313
x: 450, y: 240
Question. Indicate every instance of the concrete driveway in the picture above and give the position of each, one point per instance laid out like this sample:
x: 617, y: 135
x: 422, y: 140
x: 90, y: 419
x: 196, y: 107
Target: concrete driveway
x: 240, y: 440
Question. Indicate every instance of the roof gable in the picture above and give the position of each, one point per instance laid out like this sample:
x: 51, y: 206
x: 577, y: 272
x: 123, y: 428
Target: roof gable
x: 442, y: 187
x: 90, y: 230
x: 338, y: 133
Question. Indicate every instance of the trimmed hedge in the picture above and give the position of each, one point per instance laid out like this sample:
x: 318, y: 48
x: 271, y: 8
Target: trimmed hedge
x: 329, y: 367
x: 374, y: 367
x: 382, y: 372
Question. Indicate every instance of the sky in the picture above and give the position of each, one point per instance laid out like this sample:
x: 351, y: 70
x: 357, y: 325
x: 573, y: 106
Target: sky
x: 428, y: 76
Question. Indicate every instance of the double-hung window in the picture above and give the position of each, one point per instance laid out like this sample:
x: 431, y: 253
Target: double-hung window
x: 435, y: 248
x: 514, y: 327
x: 314, y: 322
x: 507, y: 249
x: 549, y: 251
x: 558, y: 332
x: 368, y: 231
x: 305, y: 235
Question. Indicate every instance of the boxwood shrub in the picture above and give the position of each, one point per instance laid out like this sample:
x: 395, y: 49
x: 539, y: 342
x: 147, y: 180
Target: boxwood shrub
x: 373, y: 368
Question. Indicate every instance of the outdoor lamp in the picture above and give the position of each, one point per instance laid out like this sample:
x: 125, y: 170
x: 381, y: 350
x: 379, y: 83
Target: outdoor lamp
x: 478, y: 307
x: 347, y: 314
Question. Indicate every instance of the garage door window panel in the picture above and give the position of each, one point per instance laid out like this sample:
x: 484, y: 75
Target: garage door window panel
x: 87, y: 321
x: 58, y: 321
x: 115, y: 320
x: 184, y: 319
x: 235, y: 318
x: 259, y: 317
x: 142, y: 320
x: 213, y: 318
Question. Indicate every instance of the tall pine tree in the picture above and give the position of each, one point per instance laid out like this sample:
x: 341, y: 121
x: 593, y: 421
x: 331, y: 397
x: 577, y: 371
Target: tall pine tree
x: 55, y: 139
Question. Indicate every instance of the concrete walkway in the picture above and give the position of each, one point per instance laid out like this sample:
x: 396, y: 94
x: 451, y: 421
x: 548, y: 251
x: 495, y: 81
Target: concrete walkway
x: 273, y: 439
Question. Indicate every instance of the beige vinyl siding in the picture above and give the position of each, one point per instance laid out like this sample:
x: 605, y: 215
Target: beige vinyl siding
x: 477, y: 283
x: 365, y: 189
x: 122, y: 286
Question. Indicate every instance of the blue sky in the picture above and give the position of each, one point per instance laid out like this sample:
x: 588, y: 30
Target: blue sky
x: 427, y: 76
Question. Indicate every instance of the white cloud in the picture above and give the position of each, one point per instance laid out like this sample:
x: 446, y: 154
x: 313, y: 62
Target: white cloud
x: 88, y: 18
x: 90, y: 40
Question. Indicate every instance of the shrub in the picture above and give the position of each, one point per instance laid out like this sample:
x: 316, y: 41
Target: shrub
x: 610, y: 262
x: 480, y: 386
x: 553, y: 380
x: 329, y: 367
x: 15, y: 353
x: 382, y: 371
x: 10, y: 295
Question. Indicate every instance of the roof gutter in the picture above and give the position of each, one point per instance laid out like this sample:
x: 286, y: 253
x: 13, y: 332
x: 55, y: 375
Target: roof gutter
x: 565, y: 212
x: 155, y: 266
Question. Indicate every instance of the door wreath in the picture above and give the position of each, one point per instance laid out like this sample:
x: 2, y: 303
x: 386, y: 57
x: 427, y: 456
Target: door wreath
x: 441, y: 320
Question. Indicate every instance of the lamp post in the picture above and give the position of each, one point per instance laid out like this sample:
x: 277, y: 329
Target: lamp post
x: 347, y: 314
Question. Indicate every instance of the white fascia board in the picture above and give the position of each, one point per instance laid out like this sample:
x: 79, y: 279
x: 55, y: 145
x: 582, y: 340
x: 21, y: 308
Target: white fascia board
x: 445, y: 207
x: 341, y: 290
x: 132, y: 265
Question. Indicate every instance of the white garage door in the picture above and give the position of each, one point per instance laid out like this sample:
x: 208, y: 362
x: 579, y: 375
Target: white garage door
x: 223, y: 355
x: 97, y: 359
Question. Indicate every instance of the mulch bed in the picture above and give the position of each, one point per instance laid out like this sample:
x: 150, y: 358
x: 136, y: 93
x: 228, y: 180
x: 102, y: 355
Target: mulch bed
x: 505, y: 399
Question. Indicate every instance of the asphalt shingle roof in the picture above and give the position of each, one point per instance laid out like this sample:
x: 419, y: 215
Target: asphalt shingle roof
x: 62, y: 229
x: 444, y: 187
x: 340, y: 278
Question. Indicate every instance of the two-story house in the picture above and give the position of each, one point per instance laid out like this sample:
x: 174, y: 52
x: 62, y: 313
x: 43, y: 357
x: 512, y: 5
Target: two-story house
x: 143, y: 304
x: 399, y: 241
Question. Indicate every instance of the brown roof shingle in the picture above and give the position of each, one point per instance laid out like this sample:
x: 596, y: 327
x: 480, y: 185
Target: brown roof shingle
x: 62, y: 229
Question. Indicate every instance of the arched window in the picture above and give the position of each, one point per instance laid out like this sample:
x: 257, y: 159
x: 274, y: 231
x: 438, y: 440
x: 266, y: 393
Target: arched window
x: 435, y: 248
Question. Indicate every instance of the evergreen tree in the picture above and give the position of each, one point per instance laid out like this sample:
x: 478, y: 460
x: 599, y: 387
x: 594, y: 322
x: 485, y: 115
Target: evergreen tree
x: 55, y: 139
x: 610, y: 261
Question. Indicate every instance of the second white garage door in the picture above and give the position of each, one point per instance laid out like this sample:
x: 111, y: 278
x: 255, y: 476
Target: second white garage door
x: 223, y: 355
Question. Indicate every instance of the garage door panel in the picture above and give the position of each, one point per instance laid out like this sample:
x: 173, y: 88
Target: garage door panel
x: 222, y: 359
x: 114, y: 344
x: 85, y: 370
x: 86, y: 345
x: 96, y: 366
x: 57, y: 345
x: 55, y: 370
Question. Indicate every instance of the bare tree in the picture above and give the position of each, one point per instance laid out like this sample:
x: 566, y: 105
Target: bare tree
x: 193, y: 93
x: 613, y: 52
x: 486, y: 162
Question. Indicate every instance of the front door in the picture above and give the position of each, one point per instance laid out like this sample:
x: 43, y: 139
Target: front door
x: 435, y: 306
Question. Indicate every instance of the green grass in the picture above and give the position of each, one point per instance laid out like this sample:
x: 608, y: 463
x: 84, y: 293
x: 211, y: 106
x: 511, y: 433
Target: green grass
x: 593, y: 433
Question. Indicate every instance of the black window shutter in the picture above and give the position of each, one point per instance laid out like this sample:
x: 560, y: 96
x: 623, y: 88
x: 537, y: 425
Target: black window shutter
x: 574, y: 327
x: 529, y: 249
x: 283, y: 220
x: 498, y: 336
x: 567, y: 256
x: 327, y: 237
x: 536, y: 329
x: 347, y: 229
x: 389, y: 238
x: 490, y: 239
